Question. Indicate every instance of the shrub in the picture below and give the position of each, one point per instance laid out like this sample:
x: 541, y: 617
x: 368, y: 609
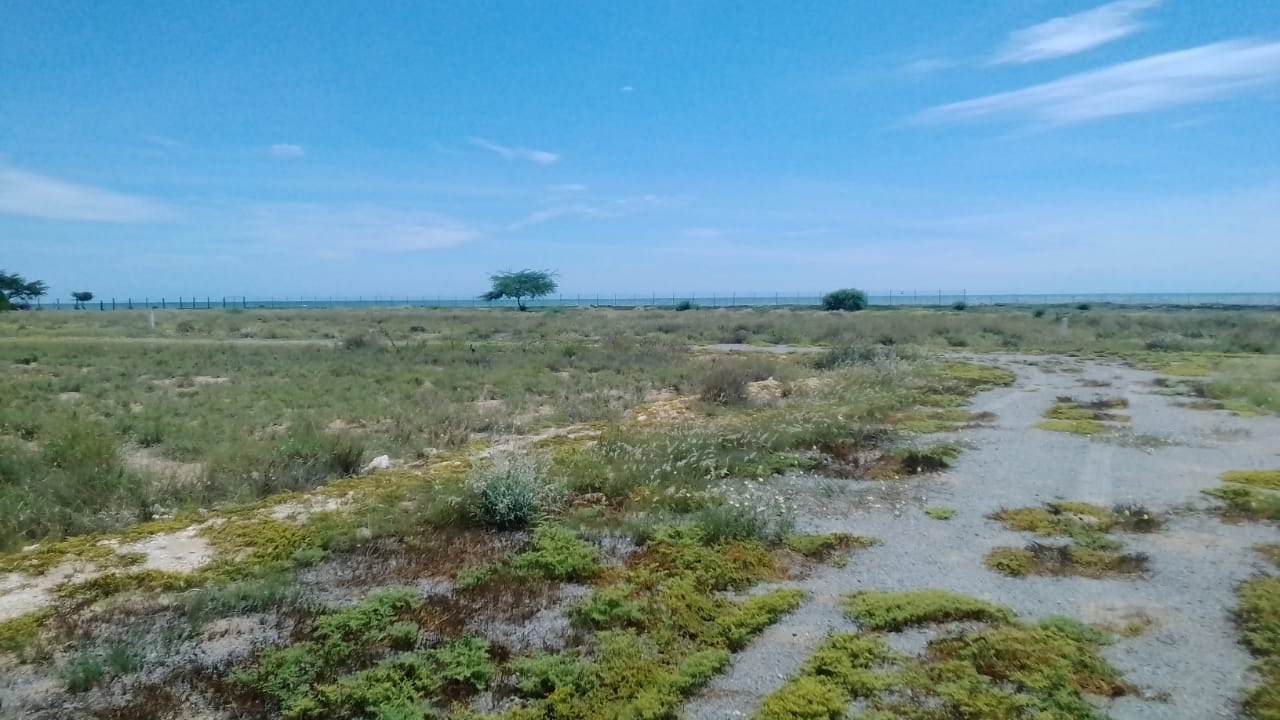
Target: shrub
x: 959, y: 306
x: 512, y: 492
x: 848, y: 299
x: 726, y: 382
x: 685, y: 305
x: 1038, y: 313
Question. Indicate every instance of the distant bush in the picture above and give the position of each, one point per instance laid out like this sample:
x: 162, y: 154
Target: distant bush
x: 1038, y: 313
x: 959, y: 306
x: 1168, y: 342
x: 685, y: 305
x: 356, y: 341
x: 847, y: 299
x: 1083, y: 306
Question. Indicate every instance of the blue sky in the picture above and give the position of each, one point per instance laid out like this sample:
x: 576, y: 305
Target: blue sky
x: 411, y: 148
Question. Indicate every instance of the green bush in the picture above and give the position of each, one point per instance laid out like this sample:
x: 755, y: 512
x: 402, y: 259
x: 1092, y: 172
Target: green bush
x: 847, y: 299
x: 895, y: 611
x: 726, y: 382
x: 513, y: 491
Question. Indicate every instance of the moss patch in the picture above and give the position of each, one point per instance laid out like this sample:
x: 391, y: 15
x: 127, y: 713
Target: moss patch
x: 1257, y: 615
x: 1269, y: 479
x: 1007, y: 670
x: 822, y: 547
x: 1241, y: 502
x: 940, y: 513
x: 895, y: 611
x: 1057, y: 560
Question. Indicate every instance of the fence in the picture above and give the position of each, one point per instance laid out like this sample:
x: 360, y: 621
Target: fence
x: 892, y: 298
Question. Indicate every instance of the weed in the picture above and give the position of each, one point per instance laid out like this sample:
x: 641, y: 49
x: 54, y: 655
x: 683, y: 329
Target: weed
x: 557, y: 554
x: 895, y: 611
x: 940, y: 513
x: 1270, y: 551
x: 82, y: 672
x: 726, y: 382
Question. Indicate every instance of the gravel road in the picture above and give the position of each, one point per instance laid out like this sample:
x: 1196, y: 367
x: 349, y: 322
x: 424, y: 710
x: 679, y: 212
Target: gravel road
x: 1188, y: 664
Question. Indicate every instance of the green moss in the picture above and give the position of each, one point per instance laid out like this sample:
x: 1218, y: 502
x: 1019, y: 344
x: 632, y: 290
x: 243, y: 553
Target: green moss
x: 739, y: 625
x: 1056, y: 560
x: 1185, y: 369
x: 1246, y: 503
x: 557, y: 554
x: 1271, y: 552
x: 1069, y: 411
x: 1073, y: 427
x: 1257, y: 615
x: 977, y: 377
x: 804, y: 698
x: 895, y: 611
x: 820, y: 547
x: 940, y: 513
x: 107, y: 585
x: 1006, y: 671
x: 18, y: 634
x: 1269, y: 479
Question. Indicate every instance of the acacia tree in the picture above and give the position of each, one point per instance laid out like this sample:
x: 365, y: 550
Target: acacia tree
x: 17, y: 289
x: 521, y: 284
x: 81, y: 297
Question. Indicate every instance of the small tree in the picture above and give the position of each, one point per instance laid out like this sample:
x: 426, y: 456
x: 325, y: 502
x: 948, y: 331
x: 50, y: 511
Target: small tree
x: 16, y: 289
x: 81, y: 297
x: 520, y: 285
x: 848, y: 299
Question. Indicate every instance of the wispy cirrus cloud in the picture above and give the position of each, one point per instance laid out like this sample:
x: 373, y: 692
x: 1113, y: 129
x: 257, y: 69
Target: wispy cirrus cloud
x: 286, y: 150
x: 349, y: 230
x: 537, y: 157
x: 926, y: 66
x: 39, y: 196
x: 1196, y: 75
x: 1072, y: 34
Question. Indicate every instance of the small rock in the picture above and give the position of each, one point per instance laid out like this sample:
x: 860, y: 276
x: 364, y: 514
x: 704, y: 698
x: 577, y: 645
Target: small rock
x: 382, y: 462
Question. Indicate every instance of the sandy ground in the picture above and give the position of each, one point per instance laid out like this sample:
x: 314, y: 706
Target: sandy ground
x: 1187, y: 664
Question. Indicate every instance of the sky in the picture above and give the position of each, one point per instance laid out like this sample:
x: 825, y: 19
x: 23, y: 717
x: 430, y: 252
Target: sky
x: 336, y: 148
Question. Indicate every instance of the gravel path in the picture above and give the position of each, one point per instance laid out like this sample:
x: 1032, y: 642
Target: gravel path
x: 1188, y: 664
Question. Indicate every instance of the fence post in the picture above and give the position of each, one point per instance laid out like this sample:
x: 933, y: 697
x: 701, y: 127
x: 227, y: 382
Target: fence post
x: 113, y: 303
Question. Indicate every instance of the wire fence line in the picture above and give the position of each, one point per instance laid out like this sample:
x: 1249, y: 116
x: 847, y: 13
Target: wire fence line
x: 890, y: 298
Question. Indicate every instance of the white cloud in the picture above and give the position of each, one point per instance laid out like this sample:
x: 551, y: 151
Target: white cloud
x: 569, y: 188
x: 164, y: 141
x: 926, y: 66
x: 1072, y: 34
x: 32, y: 195
x: 627, y: 89
x: 546, y: 215
x: 1195, y: 75
x: 537, y: 157
x: 344, y: 231
x: 287, y: 150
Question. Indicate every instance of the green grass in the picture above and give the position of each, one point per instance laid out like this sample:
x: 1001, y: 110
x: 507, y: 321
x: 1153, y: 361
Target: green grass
x: 1073, y: 427
x: 1246, y: 503
x: 940, y: 513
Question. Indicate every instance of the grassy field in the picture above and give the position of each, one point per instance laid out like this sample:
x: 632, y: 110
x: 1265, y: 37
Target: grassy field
x: 535, y: 453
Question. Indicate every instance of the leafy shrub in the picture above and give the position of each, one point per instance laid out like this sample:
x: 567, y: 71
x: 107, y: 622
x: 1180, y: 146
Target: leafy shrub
x: 1038, y: 313
x: 511, y: 492
x: 848, y: 299
x: 940, y: 513
x: 959, y: 306
x: 540, y: 675
x: 684, y: 305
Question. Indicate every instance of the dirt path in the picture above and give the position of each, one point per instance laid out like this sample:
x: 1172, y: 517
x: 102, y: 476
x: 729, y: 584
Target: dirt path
x: 1187, y: 664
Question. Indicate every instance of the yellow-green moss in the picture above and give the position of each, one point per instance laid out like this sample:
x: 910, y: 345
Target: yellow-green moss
x: 1056, y: 560
x: 895, y: 611
x: 976, y: 376
x: 1271, y: 552
x: 820, y: 547
x: 1074, y: 427
x: 17, y: 634
x: 1257, y: 614
x: 107, y: 585
x: 1269, y: 479
x: 940, y: 513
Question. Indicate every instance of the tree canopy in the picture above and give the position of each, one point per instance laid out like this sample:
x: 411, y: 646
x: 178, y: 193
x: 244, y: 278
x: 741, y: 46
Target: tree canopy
x: 81, y: 297
x: 846, y: 299
x: 15, y: 289
x: 521, y: 284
